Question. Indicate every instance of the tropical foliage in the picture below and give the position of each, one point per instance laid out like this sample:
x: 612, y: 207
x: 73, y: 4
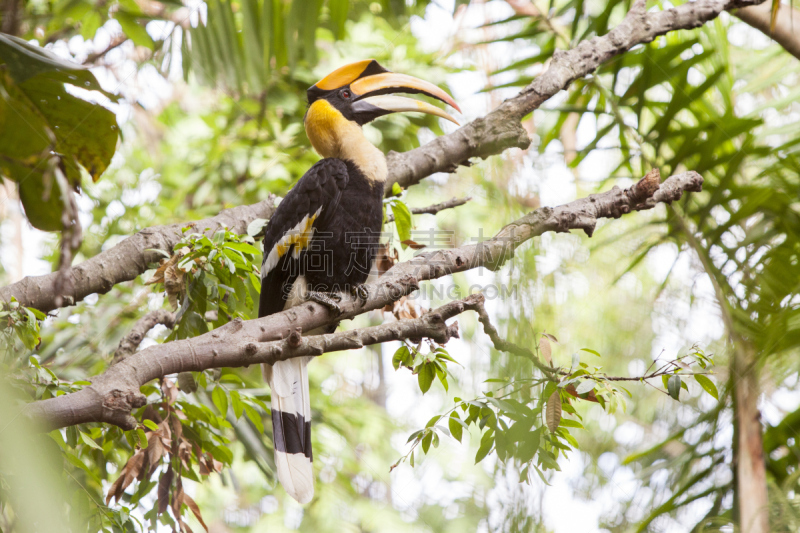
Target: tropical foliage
x: 199, y: 107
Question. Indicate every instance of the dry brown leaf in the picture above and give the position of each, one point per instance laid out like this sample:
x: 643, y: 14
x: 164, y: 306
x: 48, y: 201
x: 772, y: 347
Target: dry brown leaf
x: 186, y: 382
x: 177, y: 431
x: 129, y: 472
x: 173, y: 284
x: 158, y: 275
x: 590, y: 396
x: 185, y: 453
x: 195, y: 510
x: 413, y: 244
x: 404, y: 309
x: 166, y: 434
x: 546, y: 350
x: 177, y: 500
x: 170, y: 390
x: 551, y: 337
x: 153, y: 454
x: 553, y: 411
x: 171, y: 276
x: 384, y: 259
x: 164, y: 484
x: 150, y: 413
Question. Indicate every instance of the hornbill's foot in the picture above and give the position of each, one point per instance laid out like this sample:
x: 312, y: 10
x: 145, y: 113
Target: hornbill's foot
x: 328, y: 299
x: 361, y: 292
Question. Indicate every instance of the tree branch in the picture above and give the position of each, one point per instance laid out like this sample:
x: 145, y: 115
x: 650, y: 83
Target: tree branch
x: 113, y: 395
x: 435, y: 208
x: 486, y: 136
x: 116, y: 41
x: 787, y: 24
x: 125, y: 261
x: 131, y: 341
x: 501, y: 129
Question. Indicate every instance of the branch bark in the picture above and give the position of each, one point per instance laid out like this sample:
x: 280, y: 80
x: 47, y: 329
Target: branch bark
x: 787, y: 24
x: 114, y: 394
x: 131, y: 341
x: 501, y: 129
x: 435, y: 208
x: 484, y: 137
x: 123, y: 262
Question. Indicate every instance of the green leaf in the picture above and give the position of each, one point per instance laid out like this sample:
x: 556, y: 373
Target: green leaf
x: 135, y: 31
x: 707, y: 385
x: 402, y: 357
x: 220, y: 400
x: 441, y: 353
x: 529, y: 445
x: 425, y: 376
x: 487, y: 441
x: 593, y: 352
x: 402, y: 220
x: 426, y: 441
x: 38, y: 314
x: 236, y: 403
x: 89, y: 441
x: 585, y: 386
x: 568, y: 423
x: 256, y: 226
x: 674, y: 386
x: 455, y: 425
x: 141, y: 437
x: 149, y: 424
x: 243, y: 247
x: 254, y: 417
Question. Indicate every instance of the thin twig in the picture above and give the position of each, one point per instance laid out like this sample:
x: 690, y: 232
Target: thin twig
x: 435, y: 208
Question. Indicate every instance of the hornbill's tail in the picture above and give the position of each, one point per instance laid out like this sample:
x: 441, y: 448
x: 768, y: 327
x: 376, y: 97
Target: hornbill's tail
x: 291, y: 426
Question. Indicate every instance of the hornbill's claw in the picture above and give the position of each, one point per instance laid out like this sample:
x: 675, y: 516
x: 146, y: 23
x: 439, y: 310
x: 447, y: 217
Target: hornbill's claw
x: 329, y: 300
x: 361, y: 292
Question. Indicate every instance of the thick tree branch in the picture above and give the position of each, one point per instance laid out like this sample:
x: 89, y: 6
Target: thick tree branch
x: 435, y: 208
x: 486, y: 136
x: 787, y: 24
x: 501, y: 129
x: 113, y: 395
x: 125, y: 261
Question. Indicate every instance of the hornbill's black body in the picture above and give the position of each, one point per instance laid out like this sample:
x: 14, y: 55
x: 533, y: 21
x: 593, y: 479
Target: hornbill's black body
x: 323, y: 237
x: 345, y: 238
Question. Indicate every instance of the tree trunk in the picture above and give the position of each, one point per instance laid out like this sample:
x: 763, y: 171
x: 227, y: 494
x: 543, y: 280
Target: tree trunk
x: 751, y: 475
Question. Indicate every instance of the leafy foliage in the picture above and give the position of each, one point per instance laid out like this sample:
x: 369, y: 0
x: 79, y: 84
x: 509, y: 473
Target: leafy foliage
x: 686, y: 101
x: 45, y: 130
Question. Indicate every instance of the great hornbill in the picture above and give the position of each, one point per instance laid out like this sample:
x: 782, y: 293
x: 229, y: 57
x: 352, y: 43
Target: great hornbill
x: 324, y: 235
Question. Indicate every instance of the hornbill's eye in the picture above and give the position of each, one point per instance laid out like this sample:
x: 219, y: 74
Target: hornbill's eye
x: 346, y: 94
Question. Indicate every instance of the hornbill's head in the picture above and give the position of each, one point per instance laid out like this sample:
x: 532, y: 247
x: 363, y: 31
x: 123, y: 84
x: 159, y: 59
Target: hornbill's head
x: 352, y: 95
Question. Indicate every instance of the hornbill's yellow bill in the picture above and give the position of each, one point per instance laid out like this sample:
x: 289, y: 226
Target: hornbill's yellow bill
x: 359, y: 92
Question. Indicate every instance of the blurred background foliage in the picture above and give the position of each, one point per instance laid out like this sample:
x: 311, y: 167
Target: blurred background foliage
x: 212, y: 97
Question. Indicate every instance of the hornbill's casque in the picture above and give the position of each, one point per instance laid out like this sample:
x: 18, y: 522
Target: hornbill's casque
x: 324, y: 235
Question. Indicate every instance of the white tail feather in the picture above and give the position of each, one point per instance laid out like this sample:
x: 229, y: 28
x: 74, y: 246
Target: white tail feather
x: 289, y: 383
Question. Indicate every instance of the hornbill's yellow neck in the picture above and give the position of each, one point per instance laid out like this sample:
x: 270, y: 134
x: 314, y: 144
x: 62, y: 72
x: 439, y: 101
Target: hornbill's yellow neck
x: 355, y: 94
x: 332, y: 135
